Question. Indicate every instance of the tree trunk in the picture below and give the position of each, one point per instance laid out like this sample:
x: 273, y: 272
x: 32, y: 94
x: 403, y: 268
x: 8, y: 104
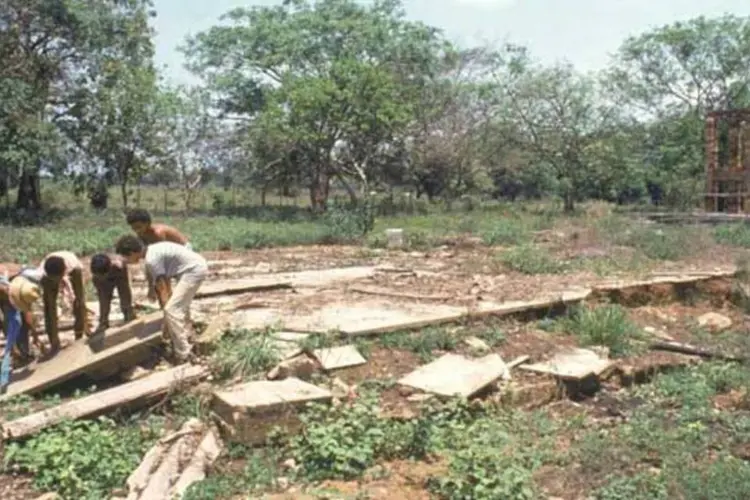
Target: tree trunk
x: 319, y: 190
x: 28, y: 192
x: 124, y: 193
x: 568, y: 203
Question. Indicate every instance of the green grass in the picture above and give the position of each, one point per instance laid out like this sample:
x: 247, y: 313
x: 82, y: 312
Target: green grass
x: 607, y: 326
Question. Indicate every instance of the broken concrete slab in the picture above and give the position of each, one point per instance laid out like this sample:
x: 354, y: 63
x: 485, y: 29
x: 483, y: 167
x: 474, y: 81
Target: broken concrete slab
x: 572, y: 364
x: 325, y: 277
x: 82, y: 357
x: 233, y: 287
x: 335, y: 358
x: 714, y: 321
x: 548, y: 301
x: 290, y: 336
x: 369, y: 318
x: 248, y: 412
x: 302, y: 367
x: 139, y: 391
x: 454, y: 375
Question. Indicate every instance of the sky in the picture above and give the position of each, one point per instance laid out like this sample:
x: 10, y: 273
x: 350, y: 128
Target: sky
x: 583, y: 32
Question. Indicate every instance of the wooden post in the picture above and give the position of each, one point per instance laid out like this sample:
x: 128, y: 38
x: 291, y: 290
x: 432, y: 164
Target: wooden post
x: 712, y: 158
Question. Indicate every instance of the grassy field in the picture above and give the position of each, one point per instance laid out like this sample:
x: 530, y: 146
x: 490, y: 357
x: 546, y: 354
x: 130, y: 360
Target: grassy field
x: 681, y: 434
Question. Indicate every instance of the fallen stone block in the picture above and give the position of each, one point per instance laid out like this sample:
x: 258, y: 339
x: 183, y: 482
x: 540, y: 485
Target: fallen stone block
x: 301, y: 367
x: 87, y: 357
x: 248, y: 412
x: 335, y: 358
x: 573, y: 364
x: 714, y: 322
x: 137, y: 392
x: 454, y: 375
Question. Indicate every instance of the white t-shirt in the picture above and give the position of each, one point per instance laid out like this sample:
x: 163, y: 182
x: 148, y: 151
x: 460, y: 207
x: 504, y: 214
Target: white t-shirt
x: 171, y: 260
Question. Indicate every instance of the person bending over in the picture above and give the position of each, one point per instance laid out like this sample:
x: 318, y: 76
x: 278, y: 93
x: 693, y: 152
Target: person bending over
x: 61, y: 270
x: 17, y: 296
x: 110, y: 272
x: 164, y: 261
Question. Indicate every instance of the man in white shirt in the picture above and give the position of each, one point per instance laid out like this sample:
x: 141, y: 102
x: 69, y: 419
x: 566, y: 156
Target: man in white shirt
x: 166, y: 260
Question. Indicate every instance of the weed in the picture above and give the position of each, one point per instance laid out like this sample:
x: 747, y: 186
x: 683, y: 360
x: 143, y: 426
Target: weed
x: 733, y: 234
x: 69, y: 458
x: 529, y: 259
x: 661, y: 243
x: 243, y: 353
x: 506, y: 232
x: 423, y: 343
x: 606, y: 326
x: 492, y: 336
x: 642, y: 486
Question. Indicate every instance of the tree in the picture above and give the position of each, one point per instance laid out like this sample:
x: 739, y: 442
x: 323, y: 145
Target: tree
x: 670, y: 77
x: 50, y: 49
x: 322, y: 75
x: 560, y: 117
x: 111, y: 113
x: 189, y: 133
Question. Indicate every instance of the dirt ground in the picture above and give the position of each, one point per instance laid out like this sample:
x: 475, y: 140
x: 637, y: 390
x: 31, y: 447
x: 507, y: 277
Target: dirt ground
x: 465, y: 274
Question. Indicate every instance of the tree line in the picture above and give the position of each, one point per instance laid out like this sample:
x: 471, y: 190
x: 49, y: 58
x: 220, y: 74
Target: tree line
x: 316, y: 95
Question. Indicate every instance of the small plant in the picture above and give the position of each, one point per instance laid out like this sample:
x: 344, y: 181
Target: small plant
x: 81, y: 460
x: 242, y: 353
x: 506, y: 232
x: 529, y: 259
x: 346, y: 223
x: 660, y: 244
x: 641, y: 486
x: 423, y: 343
x: 733, y: 234
x: 606, y: 326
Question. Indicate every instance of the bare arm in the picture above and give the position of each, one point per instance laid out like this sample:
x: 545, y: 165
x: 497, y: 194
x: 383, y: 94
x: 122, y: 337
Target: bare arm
x: 104, y: 290
x: 163, y: 290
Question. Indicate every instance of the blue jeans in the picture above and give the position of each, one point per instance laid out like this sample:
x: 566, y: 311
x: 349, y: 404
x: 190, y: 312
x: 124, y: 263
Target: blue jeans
x: 13, y: 323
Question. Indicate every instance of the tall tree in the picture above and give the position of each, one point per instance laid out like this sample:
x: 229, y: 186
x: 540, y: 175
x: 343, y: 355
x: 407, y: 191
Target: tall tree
x: 560, y: 118
x: 50, y: 48
x: 321, y: 74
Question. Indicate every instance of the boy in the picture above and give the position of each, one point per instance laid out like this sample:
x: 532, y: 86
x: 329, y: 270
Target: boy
x: 61, y: 269
x: 166, y: 260
x: 17, y: 296
x: 109, y: 272
x: 140, y: 222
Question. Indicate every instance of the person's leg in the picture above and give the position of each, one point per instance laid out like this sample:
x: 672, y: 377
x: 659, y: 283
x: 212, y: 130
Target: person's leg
x: 13, y: 321
x: 176, y: 314
x: 50, y: 291
x: 80, y: 312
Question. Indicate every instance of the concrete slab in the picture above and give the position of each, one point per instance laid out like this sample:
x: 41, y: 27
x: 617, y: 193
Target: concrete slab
x: 566, y: 297
x: 335, y: 358
x: 454, y: 375
x: 290, y: 336
x: 248, y: 412
x: 573, y: 364
x: 90, y: 355
x: 369, y: 318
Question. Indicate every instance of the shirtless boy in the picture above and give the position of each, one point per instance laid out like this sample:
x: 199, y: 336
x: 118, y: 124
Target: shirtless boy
x: 110, y: 272
x: 140, y: 222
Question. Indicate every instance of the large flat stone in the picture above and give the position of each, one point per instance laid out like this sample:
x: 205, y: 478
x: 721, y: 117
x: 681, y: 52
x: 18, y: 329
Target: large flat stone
x: 335, y: 358
x: 454, y: 375
x: 248, y: 412
x: 573, y: 364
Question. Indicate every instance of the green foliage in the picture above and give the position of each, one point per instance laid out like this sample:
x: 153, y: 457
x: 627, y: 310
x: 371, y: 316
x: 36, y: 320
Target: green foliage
x: 530, y: 259
x: 607, y: 326
x: 345, y: 223
x: 644, y: 485
x: 733, y: 234
x: 81, y: 460
x: 244, y: 353
x: 342, y: 442
x: 259, y: 474
x: 423, y: 343
x: 506, y: 232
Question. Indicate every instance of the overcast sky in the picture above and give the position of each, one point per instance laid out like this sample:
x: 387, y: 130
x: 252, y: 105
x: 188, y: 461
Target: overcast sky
x: 584, y: 32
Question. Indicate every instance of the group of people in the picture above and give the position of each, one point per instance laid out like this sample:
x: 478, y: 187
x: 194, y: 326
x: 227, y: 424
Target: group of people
x: 167, y: 255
